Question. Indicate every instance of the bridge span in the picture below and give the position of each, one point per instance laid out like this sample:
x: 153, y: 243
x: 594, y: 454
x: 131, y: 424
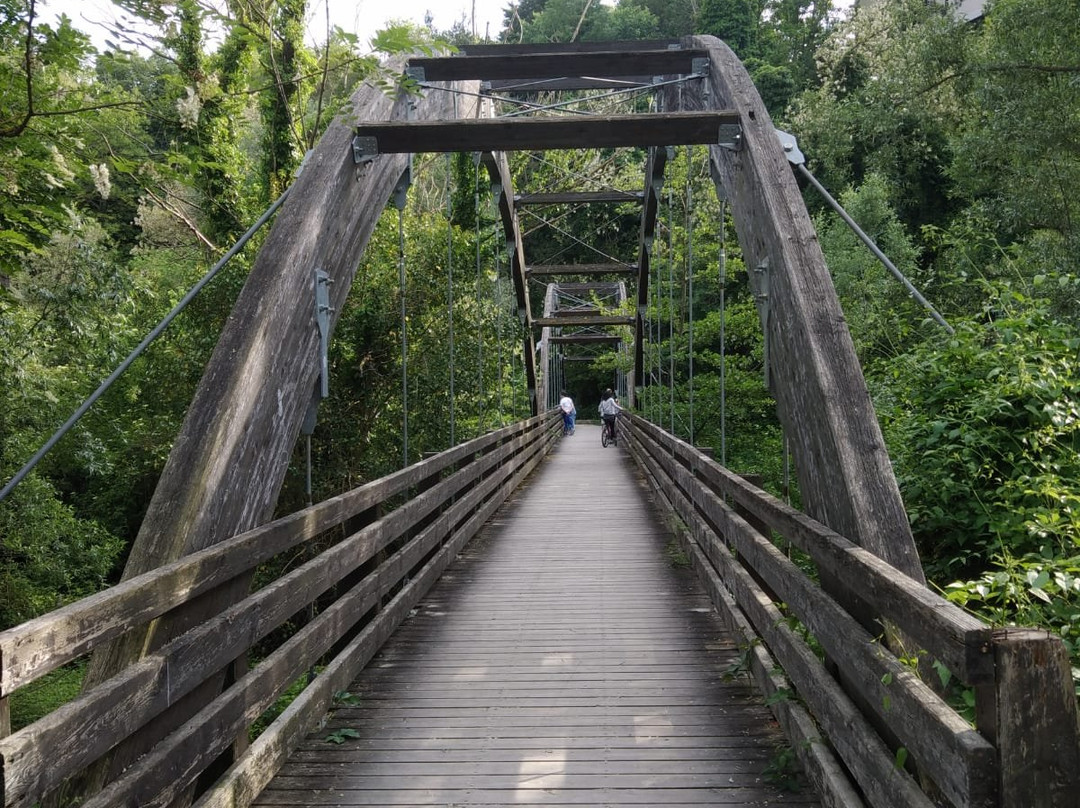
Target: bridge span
x: 568, y: 657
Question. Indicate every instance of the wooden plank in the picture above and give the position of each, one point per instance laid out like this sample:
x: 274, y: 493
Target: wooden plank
x: 959, y: 640
x: 1036, y: 732
x: 104, y: 716
x: 957, y: 758
x: 582, y: 321
x: 239, y: 787
x: 585, y: 339
x: 830, y: 778
x: 551, y: 132
x: 495, y: 687
x: 155, y: 782
x: 38, y: 646
x: 579, y: 269
x: 847, y: 730
x: 577, y: 197
x: 630, y: 62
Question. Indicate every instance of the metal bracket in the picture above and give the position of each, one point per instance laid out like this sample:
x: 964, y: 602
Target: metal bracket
x: 700, y: 66
x: 401, y: 190
x: 364, y: 149
x: 729, y: 136
x: 322, y: 320
x: 416, y: 73
x: 761, y: 297
x: 791, y: 148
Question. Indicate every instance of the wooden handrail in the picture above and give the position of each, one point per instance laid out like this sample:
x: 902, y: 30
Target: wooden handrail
x: 1022, y: 747
x: 453, y: 493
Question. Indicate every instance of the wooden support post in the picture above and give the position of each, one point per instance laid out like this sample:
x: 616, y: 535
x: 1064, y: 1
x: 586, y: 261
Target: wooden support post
x: 1036, y: 731
x: 844, y: 472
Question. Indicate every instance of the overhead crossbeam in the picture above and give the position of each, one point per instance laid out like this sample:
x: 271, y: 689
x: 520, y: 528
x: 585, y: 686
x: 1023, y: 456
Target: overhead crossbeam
x: 578, y: 197
x: 585, y: 339
x: 584, y: 321
x: 537, y: 134
x: 579, y: 269
x: 654, y: 182
x: 552, y: 65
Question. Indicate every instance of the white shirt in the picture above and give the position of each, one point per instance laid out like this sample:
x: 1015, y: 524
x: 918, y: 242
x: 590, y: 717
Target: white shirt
x: 566, y: 404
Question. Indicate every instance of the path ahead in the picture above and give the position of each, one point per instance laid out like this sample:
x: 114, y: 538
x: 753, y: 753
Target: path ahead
x: 563, y: 660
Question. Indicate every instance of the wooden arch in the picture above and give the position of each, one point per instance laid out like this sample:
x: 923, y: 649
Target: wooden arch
x: 229, y: 462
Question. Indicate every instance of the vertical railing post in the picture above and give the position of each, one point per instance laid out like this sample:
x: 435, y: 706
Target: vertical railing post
x: 1036, y: 720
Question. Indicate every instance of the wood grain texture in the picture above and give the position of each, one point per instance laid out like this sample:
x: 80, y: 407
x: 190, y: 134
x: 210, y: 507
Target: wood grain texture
x: 549, y: 132
x: 34, y: 648
x: 843, y: 468
x: 942, y: 629
x: 629, y: 62
x: 562, y: 661
x: 953, y: 754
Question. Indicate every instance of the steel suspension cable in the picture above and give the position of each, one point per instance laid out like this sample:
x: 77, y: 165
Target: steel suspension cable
x: 690, y: 276
x: 404, y: 341
x: 450, y: 286
x: 723, y: 346
x: 480, y: 396
x: 498, y: 317
x: 142, y: 346
x: 671, y: 311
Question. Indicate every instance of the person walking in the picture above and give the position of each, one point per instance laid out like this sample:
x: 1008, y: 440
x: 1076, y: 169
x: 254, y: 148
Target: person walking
x: 569, y: 413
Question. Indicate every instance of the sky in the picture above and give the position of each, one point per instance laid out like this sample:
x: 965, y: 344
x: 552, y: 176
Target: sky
x: 362, y: 17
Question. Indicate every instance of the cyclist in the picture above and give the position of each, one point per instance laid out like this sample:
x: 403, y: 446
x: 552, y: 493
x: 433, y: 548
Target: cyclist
x: 609, y: 409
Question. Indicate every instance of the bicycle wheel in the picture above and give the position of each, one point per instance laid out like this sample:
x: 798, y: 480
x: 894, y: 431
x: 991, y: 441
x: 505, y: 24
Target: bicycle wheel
x: 603, y: 435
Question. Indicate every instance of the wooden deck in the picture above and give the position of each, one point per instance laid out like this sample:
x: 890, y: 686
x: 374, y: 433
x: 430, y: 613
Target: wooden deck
x: 562, y: 660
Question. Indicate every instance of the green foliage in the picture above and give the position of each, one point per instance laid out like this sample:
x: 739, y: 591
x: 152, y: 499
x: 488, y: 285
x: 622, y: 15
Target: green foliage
x: 984, y: 431
x: 675, y: 554
x: 341, y: 735
x: 783, y: 770
x: 1036, y: 589
x: 42, y: 696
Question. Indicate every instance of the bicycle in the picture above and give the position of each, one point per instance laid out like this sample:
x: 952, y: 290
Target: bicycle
x: 608, y: 433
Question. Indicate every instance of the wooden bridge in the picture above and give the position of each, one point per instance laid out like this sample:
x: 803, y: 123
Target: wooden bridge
x: 527, y: 618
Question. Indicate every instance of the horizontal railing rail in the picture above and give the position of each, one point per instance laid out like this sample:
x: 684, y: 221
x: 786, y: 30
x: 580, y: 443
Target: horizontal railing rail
x: 398, y: 534
x: 867, y: 727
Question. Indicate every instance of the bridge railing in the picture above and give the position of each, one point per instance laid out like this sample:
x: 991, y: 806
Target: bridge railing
x: 867, y: 727
x: 398, y: 534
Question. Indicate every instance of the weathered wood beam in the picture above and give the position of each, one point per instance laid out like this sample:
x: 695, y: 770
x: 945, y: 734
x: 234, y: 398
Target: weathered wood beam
x: 502, y: 184
x: 577, y: 197
x: 585, y: 339
x: 536, y: 86
x: 630, y: 62
x: 529, y: 134
x: 845, y: 477
x: 580, y: 269
x: 584, y: 320
x: 654, y: 182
